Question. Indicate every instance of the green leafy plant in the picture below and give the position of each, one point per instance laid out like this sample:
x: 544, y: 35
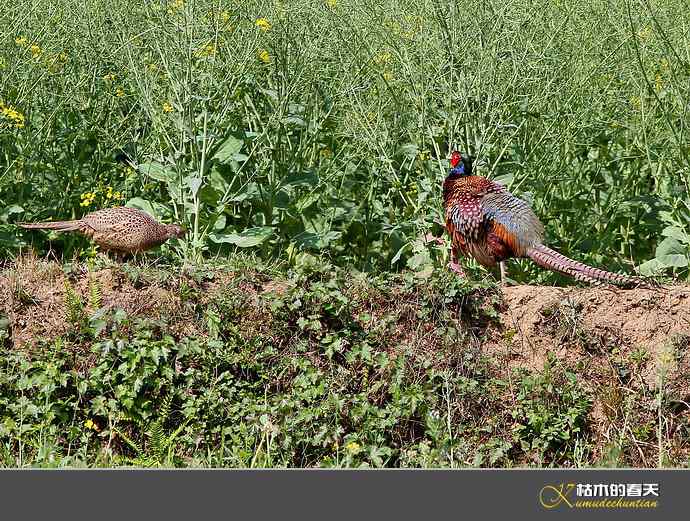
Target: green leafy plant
x: 74, y: 306
x: 325, y: 130
x: 550, y: 413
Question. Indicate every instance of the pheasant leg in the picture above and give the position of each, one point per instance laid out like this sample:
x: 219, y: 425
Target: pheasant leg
x: 454, y: 266
x: 457, y: 269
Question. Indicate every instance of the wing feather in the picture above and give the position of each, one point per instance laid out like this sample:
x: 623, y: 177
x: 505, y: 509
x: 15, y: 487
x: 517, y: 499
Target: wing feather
x: 518, y: 226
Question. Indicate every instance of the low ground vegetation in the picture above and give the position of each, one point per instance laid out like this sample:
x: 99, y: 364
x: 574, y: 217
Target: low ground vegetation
x: 233, y: 366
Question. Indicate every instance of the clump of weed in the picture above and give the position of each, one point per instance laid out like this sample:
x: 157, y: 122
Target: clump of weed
x: 74, y: 306
x: 550, y: 413
x: 95, y: 293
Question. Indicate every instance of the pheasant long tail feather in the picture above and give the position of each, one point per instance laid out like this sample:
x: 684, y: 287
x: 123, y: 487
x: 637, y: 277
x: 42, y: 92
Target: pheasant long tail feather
x: 552, y: 260
x: 60, y: 226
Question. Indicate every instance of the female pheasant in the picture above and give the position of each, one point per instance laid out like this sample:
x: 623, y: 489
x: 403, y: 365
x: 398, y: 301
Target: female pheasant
x: 485, y: 221
x: 119, y: 229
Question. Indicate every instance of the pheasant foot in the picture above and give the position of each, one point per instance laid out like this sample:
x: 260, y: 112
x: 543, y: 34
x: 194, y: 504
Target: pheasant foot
x: 457, y: 269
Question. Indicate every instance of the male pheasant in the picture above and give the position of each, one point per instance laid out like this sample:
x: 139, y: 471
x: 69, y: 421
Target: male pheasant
x: 485, y: 221
x: 120, y: 229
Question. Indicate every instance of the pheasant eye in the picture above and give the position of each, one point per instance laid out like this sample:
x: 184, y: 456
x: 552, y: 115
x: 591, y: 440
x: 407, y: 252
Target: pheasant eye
x: 455, y: 158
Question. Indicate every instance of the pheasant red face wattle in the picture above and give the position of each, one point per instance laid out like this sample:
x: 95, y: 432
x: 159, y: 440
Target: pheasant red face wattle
x: 455, y: 158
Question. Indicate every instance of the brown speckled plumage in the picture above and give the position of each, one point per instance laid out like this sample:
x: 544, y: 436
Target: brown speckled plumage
x: 120, y: 229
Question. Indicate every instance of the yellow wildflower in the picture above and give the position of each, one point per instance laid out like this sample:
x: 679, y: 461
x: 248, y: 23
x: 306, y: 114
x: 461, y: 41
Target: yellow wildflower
x: 20, y: 40
x: 353, y: 447
x: 87, y: 198
x: 207, y: 50
x: 35, y: 50
x: 224, y: 16
x: 263, y: 24
x: 636, y: 102
x: 55, y: 62
x: 264, y: 56
x: 331, y: 3
x: 175, y: 5
x: 119, y: 92
x: 109, y: 77
x: 658, y: 83
x: 644, y: 33
x: 152, y: 67
x: 388, y: 75
x: 89, y: 424
x: 111, y: 194
x: 13, y: 115
x: 382, y: 58
x: 167, y: 107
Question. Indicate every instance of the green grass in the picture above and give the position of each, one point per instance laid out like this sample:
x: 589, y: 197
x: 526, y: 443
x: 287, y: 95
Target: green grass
x: 329, y: 131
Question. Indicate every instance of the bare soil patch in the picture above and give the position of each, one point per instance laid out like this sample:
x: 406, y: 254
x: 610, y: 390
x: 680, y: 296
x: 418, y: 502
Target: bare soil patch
x: 576, y: 324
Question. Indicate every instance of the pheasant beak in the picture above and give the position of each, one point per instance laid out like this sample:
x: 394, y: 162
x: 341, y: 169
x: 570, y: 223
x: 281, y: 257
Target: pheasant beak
x: 176, y: 231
